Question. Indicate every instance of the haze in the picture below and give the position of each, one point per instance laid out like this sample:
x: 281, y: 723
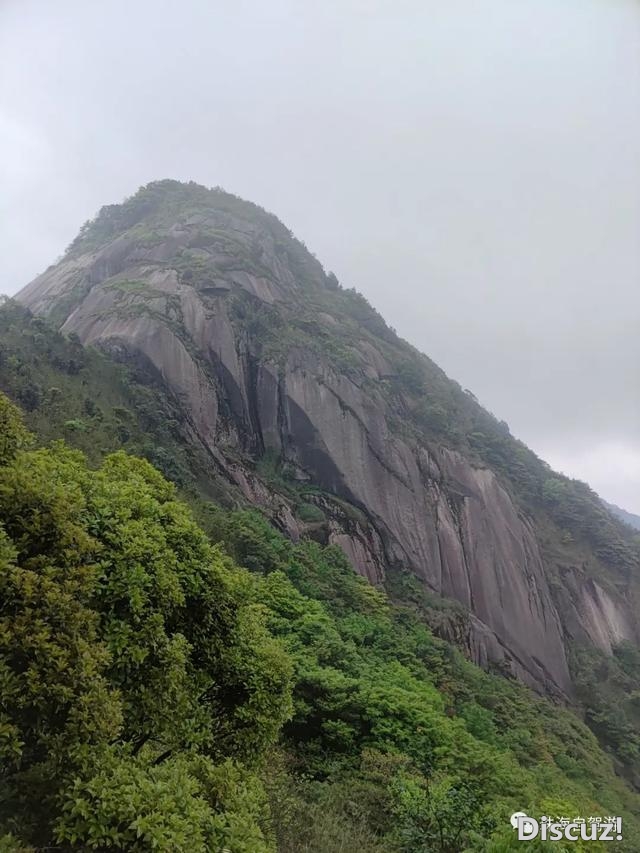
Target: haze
x: 472, y: 167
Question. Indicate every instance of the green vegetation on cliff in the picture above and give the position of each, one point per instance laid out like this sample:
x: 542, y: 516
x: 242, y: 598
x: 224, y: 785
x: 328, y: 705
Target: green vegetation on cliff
x: 74, y: 392
x: 158, y: 696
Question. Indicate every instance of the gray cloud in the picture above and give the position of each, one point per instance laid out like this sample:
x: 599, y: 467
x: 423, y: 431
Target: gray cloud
x: 472, y: 168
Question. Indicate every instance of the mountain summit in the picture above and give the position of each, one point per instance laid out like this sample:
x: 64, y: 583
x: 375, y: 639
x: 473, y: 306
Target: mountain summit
x: 308, y: 405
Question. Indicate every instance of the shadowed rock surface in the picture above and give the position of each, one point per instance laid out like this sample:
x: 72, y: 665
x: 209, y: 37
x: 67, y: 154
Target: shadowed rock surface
x: 302, y: 395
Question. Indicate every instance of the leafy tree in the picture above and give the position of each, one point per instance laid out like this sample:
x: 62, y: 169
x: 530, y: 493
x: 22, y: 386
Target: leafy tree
x: 133, y: 660
x: 441, y: 816
x: 13, y: 434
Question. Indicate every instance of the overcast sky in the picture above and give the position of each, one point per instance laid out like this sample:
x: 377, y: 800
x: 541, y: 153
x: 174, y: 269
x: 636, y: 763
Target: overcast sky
x: 472, y: 166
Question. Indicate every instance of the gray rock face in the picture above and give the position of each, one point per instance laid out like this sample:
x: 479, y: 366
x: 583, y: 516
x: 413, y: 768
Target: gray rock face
x: 425, y: 509
x: 452, y: 524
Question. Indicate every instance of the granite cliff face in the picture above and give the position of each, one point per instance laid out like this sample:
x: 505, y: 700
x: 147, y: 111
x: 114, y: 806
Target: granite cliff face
x: 277, y: 368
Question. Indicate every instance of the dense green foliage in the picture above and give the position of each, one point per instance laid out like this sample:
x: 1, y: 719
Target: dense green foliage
x: 157, y: 697
x: 393, y: 729
x: 608, y: 686
x: 139, y: 684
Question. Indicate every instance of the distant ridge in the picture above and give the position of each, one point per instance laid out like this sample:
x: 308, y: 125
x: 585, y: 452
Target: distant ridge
x: 628, y: 517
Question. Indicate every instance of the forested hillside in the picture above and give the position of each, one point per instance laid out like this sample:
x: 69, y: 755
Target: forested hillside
x: 167, y: 689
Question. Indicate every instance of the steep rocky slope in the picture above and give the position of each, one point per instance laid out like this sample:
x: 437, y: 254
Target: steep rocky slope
x: 311, y: 407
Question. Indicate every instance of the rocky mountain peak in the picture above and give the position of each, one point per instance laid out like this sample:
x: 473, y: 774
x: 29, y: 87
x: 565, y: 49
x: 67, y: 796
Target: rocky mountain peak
x: 208, y: 239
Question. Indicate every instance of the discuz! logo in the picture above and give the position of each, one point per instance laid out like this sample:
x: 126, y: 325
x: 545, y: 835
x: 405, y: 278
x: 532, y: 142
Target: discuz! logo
x: 570, y: 829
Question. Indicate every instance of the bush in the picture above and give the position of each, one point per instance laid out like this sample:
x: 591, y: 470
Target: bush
x: 310, y: 513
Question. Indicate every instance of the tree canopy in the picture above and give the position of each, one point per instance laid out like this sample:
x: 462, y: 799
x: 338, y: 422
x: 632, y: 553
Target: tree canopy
x: 139, y: 683
x: 155, y: 695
